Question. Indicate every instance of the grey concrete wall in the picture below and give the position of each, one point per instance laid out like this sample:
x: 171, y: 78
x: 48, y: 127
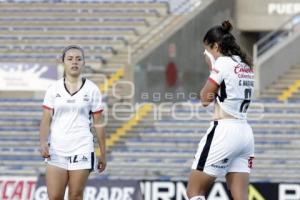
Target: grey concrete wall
x: 192, y: 70
x: 276, y: 61
x: 264, y: 15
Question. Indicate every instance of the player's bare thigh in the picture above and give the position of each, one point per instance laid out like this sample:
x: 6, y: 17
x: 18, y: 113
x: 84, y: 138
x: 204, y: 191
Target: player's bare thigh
x: 77, y: 183
x: 237, y: 183
x: 199, y: 183
x: 56, y: 181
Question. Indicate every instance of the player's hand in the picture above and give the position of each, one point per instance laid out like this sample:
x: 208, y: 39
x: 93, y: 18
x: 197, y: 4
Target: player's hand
x: 101, y: 164
x: 44, y: 150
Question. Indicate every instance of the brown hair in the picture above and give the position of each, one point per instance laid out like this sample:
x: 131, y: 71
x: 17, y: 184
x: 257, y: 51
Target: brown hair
x: 71, y: 47
x: 67, y: 49
x: 221, y: 35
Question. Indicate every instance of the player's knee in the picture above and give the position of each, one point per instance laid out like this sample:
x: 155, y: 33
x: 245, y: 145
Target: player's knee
x: 192, y: 195
x: 239, y: 196
x: 75, y: 195
x: 189, y: 193
x: 55, y: 196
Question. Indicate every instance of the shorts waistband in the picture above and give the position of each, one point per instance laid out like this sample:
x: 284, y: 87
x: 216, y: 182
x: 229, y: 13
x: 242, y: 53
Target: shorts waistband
x: 227, y: 121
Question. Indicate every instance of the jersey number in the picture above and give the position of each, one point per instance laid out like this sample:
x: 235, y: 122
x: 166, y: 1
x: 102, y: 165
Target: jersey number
x: 246, y: 102
x: 73, y: 159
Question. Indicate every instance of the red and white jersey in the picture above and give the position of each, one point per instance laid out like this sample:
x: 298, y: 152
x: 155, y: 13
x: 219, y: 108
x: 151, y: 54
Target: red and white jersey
x: 70, y: 132
x: 236, y: 85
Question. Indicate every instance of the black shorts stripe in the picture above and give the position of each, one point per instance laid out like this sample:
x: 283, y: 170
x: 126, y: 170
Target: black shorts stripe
x: 223, y: 94
x: 92, y: 161
x: 205, y: 151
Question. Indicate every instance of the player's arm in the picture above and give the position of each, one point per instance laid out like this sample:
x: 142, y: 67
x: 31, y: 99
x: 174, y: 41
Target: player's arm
x: 208, y: 92
x: 44, y: 131
x: 100, y: 134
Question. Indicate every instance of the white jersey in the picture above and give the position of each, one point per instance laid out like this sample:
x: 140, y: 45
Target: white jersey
x: 71, y: 121
x: 236, y: 85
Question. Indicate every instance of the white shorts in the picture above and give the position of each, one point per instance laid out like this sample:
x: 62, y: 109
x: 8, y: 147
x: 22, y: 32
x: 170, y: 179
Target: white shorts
x: 76, y: 162
x: 228, y: 146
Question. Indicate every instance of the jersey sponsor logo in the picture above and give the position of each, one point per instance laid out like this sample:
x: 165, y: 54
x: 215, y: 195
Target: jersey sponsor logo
x: 71, y: 101
x: 57, y: 95
x: 242, y: 69
x: 248, y: 76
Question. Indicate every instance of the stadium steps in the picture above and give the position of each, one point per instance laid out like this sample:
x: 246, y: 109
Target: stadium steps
x: 90, y: 53
x: 163, y: 150
x: 91, y: 13
x: 160, y: 7
x: 138, y: 25
x: 127, y: 35
x: 169, y: 140
x: 19, y: 120
x: 283, y: 83
x: 123, y: 20
x: 47, y: 42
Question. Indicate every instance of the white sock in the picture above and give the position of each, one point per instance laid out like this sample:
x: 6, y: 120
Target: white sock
x: 198, y: 198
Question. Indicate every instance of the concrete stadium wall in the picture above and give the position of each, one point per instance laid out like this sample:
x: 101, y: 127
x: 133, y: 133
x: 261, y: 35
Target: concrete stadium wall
x: 276, y: 61
x: 264, y: 15
x: 192, y: 71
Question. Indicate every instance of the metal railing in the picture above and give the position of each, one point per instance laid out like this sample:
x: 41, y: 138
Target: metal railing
x: 275, y: 37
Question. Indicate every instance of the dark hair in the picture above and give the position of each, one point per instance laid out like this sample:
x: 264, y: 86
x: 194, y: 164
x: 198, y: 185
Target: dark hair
x: 71, y: 47
x: 226, y: 41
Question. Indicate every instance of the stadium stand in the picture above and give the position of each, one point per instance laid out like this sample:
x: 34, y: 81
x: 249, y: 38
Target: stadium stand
x: 164, y: 149
x: 286, y: 86
x: 36, y: 31
x: 160, y: 149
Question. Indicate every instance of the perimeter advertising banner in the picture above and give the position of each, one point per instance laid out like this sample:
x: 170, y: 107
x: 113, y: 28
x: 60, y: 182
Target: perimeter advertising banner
x: 26, y: 77
x: 31, y: 188
x: 99, y: 190
x: 17, y: 188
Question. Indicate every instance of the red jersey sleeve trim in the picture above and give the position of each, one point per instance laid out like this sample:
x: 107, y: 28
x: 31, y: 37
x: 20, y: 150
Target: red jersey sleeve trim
x: 213, y: 81
x: 46, y: 107
x: 96, y: 112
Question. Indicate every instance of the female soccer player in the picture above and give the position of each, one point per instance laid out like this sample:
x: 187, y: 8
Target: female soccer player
x: 227, y: 149
x: 71, y: 105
